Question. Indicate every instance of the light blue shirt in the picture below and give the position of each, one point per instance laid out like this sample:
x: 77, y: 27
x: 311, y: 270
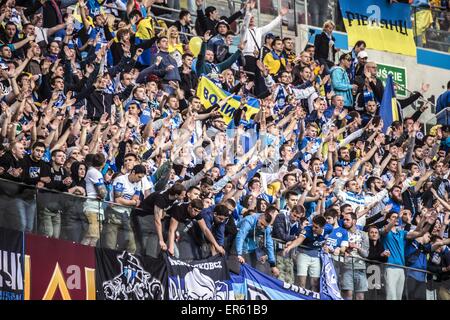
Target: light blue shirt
x: 395, y: 243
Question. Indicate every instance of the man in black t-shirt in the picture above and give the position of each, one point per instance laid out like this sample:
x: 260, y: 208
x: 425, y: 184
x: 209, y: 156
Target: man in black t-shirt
x: 36, y: 173
x: 52, y: 204
x: 12, y: 213
x: 149, y: 230
x: 11, y: 163
x: 188, y: 222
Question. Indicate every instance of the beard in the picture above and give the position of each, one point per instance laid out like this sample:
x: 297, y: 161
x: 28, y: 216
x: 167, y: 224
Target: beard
x: 377, y: 189
x: 397, y: 199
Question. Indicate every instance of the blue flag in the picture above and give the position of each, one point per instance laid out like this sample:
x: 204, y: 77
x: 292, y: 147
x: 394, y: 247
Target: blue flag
x: 329, y: 289
x: 388, y: 109
x: 252, y: 284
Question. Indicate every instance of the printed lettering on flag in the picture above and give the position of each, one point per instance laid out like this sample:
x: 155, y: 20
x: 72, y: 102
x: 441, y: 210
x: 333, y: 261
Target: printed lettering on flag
x: 382, y: 25
x: 211, y: 94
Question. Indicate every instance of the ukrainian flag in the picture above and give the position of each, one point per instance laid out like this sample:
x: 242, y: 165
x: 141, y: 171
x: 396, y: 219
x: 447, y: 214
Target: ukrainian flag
x: 388, y: 109
x: 381, y: 25
x: 210, y: 94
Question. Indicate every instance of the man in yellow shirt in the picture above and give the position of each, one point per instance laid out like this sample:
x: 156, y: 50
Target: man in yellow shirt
x: 275, y: 60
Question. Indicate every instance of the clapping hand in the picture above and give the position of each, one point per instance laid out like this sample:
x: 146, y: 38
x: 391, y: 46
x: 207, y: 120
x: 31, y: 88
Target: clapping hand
x: 16, y: 172
x: 385, y: 253
x: 67, y: 181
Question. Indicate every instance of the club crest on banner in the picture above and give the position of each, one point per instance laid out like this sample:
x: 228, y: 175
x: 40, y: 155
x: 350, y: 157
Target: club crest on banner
x: 133, y: 283
x: 199, y: 281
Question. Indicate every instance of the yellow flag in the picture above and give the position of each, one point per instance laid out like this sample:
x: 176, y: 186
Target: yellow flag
x: 211, y: 94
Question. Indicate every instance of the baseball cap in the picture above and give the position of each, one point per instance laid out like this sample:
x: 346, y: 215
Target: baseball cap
x: 269, y: 35
x: 222, y: 22
x: 362, y: 54
x: 127, y: 106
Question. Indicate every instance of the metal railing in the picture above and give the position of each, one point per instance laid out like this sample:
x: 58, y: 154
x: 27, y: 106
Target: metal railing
x: 446, y: 118
x: 432, y: 36
x: 377, y: 281
x: 70, y: 217
x: 110, y: 6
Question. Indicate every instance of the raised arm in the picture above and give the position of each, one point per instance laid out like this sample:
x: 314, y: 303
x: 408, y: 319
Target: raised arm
x: 23, y: 42
x: 83, y: 14
x: 444, y: 203
x: 331, y: 150
x: 422, y: 228
x: 55, y: 29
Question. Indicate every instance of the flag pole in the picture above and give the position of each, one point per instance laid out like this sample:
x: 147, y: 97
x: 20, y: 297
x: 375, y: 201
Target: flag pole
x: 421, y: 98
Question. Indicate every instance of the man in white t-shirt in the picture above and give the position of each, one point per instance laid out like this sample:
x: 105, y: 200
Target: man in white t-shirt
x: 95, y: 191
x: 126, y: 192
x: 130, y: 160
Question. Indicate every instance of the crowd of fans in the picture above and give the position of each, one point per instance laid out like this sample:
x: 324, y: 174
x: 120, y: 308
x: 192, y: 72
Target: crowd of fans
x: 84, y: 112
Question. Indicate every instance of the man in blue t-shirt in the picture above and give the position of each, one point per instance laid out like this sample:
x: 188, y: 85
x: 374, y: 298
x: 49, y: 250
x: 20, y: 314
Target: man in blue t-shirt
x: 337, y: 241
x: 416, y: 252
x: 313, y: 239
x: 394, y: 241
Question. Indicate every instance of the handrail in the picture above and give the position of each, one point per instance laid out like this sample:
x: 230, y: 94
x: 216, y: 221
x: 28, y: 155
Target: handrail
x: 275, y: 240
x: 179, y: 32
x: 171, y: 9
x: 437, y: 114
x: 159, y: 18
x: 110, y: 6
x: 37, y: 190
x: 363, y: 259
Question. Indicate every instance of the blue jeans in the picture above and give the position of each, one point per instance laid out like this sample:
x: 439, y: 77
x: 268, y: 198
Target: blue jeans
x: 27, y: 213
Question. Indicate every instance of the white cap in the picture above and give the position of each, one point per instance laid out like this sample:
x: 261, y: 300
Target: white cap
x: 362, y: 54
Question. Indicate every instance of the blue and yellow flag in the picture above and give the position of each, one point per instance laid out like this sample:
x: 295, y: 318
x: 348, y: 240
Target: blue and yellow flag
x: 388, y: 109
x: 381, y: 25
x: 211, y: 94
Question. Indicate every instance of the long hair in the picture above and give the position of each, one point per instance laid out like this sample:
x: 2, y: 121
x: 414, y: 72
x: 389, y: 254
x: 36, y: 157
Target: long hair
x: 171, y: 39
